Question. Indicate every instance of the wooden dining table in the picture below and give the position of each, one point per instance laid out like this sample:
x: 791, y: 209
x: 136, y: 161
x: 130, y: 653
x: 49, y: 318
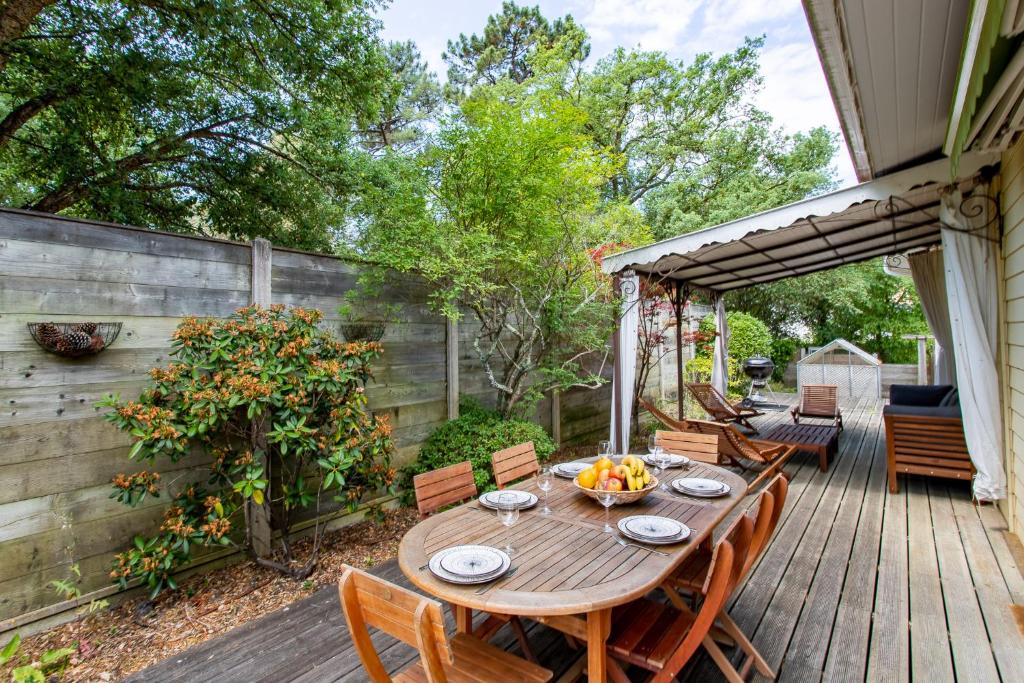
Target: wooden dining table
x: 568, y: 573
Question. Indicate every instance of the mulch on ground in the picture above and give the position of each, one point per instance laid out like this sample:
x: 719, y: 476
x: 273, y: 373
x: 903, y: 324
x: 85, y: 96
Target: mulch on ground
x: 116, y: 642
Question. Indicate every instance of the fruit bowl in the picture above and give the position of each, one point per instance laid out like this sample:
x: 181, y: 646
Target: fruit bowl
x: 621, y: 497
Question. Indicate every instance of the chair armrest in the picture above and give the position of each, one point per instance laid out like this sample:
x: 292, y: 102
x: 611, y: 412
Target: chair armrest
x: 769, y: 448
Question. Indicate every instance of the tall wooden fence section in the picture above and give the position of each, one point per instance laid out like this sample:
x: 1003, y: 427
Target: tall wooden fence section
x: 57, y: 454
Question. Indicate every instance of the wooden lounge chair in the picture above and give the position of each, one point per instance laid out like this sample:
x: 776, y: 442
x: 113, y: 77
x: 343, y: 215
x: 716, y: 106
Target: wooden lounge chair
x: 661, y: 638
x: 444, y: 487
x: 819, y: 400
x: 663, y: 417
x: 368, y: 601
x: 515, y: 463
x: 737, y: 449
x: 692, y: 575
x: 720, y: 410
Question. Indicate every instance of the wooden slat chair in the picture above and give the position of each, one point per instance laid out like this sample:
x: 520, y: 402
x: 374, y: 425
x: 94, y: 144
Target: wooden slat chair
x: 690, y: 578
x: 821, y: 401
x: 662, y: 639
x: 515, y: 463
x: 444, y: 487
x: 448, y: 486
x: 719, y: 408
x: 695, y: 446
x: 368, y: 601
x: 741, y: 451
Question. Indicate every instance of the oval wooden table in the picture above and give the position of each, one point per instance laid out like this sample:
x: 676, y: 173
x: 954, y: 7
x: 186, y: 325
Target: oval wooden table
x: 569, y: 573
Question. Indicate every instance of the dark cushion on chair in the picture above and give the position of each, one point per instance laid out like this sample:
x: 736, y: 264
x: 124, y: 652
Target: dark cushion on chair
x: 922, y: 411
x: 950, y: 399
x: 918, y: 395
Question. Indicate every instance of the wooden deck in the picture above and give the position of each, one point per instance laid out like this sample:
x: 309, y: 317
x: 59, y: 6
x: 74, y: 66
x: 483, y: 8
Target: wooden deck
x: 857, y: 585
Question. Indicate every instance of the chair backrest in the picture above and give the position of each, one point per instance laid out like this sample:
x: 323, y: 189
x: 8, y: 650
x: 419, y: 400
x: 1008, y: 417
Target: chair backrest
x: 731, y: 441
x: 726, y: 563
x: 663, y: 417
x: 740, y: 534
x: 512, y: 464
x: 368, y: 601
x: 446, y: 486
x: 711, y: 400
x: 819, y: 399
x: 696, y: 446
x: 769, y: 508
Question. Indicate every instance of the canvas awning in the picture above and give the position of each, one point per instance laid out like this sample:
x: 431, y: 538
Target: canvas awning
x: 894, y: 214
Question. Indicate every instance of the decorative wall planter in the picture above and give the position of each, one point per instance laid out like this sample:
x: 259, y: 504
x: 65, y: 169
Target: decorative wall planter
x: 366, y: 331
x: 74, y: 340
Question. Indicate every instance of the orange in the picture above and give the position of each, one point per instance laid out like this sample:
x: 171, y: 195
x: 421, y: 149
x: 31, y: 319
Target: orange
x: 587, y: 478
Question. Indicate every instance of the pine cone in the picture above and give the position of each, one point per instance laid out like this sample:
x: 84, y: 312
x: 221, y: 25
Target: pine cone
x: 75, y: 341
x: 88, y: 328
x: 48, y: 333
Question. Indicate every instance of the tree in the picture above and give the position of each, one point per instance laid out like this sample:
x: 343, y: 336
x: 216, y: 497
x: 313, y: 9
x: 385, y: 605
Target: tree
x: 507, y: 208
x: 225, y: 118
x: 408, y: 102
x: 508, y: 43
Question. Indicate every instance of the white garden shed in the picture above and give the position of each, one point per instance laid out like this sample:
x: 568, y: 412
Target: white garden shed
x: 855, y: 371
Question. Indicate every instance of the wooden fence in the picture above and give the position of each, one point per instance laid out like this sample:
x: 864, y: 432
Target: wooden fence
x: 58, y: 454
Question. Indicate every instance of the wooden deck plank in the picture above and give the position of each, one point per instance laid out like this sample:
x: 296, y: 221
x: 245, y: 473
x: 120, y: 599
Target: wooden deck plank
x: 972, y: 653
x: 930, y: 658
x: 831, y: 598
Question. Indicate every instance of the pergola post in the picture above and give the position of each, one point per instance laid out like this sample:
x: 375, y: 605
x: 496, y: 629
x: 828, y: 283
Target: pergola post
x: 678, y: 305
x: 624, y: 342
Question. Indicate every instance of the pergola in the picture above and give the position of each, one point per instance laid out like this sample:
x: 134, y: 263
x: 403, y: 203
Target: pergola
x: 896, y: 214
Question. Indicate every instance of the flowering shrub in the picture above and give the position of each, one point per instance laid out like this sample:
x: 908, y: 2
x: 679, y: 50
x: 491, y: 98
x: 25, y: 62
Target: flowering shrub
x: 279, y: 408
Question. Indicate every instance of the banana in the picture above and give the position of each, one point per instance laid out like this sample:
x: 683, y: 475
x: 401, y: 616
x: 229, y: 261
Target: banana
x: 646, y: 478
x: 630, y: 482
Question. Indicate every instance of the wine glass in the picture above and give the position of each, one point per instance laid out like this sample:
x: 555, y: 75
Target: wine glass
x: 544, y: 484
x: 664, y: 459
x: 604, y: 449
x: 607, y: 499
x: 656, y: 451
x: 508, y: 514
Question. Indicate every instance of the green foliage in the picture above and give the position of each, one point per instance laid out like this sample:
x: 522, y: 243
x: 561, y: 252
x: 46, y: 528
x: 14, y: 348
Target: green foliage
x: 782, y: 352
x: 50, y: 667
x: 240, y: 129
x: 507, y: 47
x: 279, y: 408
x: 474, y: 435
x: 408, y: 102
x: 748, y: 336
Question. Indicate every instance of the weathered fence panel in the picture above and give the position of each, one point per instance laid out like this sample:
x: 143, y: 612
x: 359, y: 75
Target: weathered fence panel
x: 57, y: 454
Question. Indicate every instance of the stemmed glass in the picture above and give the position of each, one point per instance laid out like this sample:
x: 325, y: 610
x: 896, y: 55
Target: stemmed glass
x: 607, y: 499
x: 544, y: 484
x: 664, y: 459
x: 508, y: 514
x: 658, y: 455
x: 604, y: 449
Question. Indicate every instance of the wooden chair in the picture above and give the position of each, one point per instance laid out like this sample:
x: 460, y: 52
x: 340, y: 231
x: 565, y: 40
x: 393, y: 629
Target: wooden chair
x: 515, y: 463
x: 719, y: 408
x: 699, y: 447
x: 692, y: 575
x: 443, y: 487
x: 739, y: 450
x: 368, y: 601
x: 663, y: 417
x: 819, y: 400
x: 661, y: 638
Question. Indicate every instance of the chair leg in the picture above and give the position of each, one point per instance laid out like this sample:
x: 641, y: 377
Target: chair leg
x: 524, y: 642
x: 753, y: 656
x: 726, y: 667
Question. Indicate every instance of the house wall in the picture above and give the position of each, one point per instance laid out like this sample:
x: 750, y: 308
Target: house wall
x: 1012, y: 206
x: 57, y: 454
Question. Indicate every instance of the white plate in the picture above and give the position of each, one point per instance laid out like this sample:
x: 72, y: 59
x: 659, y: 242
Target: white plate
x: 651, y: 527
x: 702, y: 488
x: 437, y: 570
x: 569, y: 470
x: 472, y: 561
x: 523, y: 499
x: 674, y: 460
x: 667, y: 541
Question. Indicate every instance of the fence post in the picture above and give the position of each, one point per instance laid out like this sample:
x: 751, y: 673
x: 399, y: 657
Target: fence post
x: 452, y: 366
x: 556, y: 416
x: 259, y: 515
x: 922, y: 360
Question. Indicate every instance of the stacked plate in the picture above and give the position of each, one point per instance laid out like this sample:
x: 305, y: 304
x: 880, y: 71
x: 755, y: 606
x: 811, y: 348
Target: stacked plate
x: 569, y: 470
x: 653, y: 529
x: 701, y: 488
x: 468, y: 564
x: 521, y: 499
x: 673, y: 460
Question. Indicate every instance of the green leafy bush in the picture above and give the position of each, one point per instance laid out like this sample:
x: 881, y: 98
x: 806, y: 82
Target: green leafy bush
x: 474, y: 435
x: 748, y: 336
x: 278, y: 406
x: 782, y: 353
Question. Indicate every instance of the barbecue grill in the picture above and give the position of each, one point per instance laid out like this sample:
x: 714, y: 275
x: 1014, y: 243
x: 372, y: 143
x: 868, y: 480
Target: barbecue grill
x: 759, y: 369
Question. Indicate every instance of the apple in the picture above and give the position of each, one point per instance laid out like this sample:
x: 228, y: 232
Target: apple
x: 620, y: 472
x: 613, y: 484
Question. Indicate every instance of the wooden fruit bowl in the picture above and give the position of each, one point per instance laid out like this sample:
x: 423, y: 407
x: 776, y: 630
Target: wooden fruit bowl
x: 621, y: 497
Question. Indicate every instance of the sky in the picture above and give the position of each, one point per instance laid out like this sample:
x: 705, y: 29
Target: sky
x: 794, y: 90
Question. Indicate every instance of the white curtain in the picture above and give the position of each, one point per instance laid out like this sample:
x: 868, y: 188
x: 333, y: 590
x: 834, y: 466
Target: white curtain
x: 971, y: 263
x: 625, y: 358
x: 929, y: 274
x: 720, y: 359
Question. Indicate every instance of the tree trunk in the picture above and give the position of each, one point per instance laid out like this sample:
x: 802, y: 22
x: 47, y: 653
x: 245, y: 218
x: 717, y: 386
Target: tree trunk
x: 15, y: 18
